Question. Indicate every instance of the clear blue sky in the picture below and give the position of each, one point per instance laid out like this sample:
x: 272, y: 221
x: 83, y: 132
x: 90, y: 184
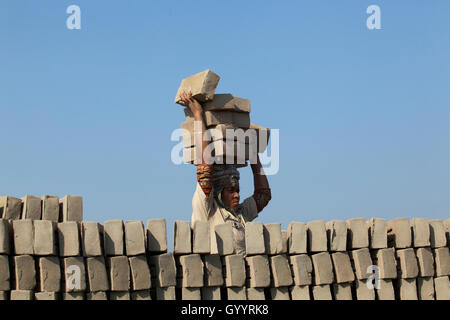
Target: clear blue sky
x: 363, y: 115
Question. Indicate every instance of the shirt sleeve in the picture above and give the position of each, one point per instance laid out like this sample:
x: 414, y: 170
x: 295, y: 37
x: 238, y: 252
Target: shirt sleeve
x: 248, y: 209
x: 202, y: 205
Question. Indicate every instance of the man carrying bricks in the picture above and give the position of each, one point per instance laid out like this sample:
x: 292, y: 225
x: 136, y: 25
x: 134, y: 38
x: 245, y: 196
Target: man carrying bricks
x: 216, y: 198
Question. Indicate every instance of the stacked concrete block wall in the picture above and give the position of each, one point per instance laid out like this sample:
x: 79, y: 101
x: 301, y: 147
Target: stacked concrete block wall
x: 357, y: 259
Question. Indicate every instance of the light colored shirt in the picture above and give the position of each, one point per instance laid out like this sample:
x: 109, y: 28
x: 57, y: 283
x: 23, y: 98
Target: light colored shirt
x: 207, y: 209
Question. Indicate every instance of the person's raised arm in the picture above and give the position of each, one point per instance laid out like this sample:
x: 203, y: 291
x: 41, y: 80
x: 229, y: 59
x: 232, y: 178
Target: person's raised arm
x: 262, y: 193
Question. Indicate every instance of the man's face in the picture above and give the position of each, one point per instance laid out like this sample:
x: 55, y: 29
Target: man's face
x: 230, y: 196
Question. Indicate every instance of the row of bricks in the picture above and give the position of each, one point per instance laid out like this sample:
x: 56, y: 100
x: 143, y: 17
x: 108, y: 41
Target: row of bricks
x: 69, y: 208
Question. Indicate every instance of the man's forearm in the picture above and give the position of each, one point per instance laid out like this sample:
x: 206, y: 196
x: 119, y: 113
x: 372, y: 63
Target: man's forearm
x: 262, y: 193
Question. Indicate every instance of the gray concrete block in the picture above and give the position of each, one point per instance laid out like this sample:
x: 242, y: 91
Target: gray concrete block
x: 141, y: 295
x: 99, y: 295
x: 21, y: 295
x: 156, y: 236
x: 72, y: 208
x: 386, y: 262
x: 119, y: 273
x: 182, y: 243
x: 358, y: 234
x: 213, y: 270
x: 284, y: 241
x: 281, y: 293
x: 210, y: 293
x: 237, y: 293
x: 74, y: 274
x: 437, y: 234
x: 23, y: 232
x: 91, y: 239
x: 140, y: 273
x: 442, y: 260
x: 5, y: 276
x: 447, y: 229
x: 4, y: 295
x: 5, y: 237
x: 224, y: 239
x: 426, y: 262
x: 10, y: 208
x: 44, y: 237
x: 317, y: 236
x: 299, y: 293
x: 302, y: 269
x: 259, y: 271
x: 78, y: 296
x: 281, y: 272
x: 322, y: 292
x: 165, y: 293
x: 273, y: 239
x: 420, y: 228
x: 134, y: 238
x: 337, y: 235
x: 32, y: 208
x: 190, y: 293
x: 192, y: 268
x: 25, y: 272
x: 442, y: 287
x: 297, y: 239
x: 97, y: 275
x: 49, y: 274
x: 342, y: 267
x: 201, y: 237
x: 407, y: 289
x: 342, y: 291
x: 361, y: 261
x: 425, y: 288
x: 227, y: 102
x: 119, y: 295
x: 50, y: 208
x: 214, y: 118
x: 255, y: 294
x: 323, y: 268
x: 385, y: 290
x: 399, y: 233
x: 362, y: 290
x: 164, y: 269
x: 114, y: 238
x: 68, y: 238
x: 254, y: 238
x: 407, y: 263
x: 202, y: 85
x: 377, y: 228
x: 46, y: 296
x: 234, y: 271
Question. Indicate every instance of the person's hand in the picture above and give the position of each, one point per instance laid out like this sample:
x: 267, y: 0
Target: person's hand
x: 188, y: 101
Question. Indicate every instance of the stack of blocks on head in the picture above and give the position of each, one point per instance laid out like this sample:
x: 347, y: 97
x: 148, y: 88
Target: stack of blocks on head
x: 71, y: 259
x: 223, y: 114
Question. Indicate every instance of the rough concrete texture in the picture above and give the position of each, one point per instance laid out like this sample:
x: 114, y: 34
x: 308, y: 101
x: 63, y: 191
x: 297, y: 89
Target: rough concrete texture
x: 407, y: 289
x: 420, y: 228
x: 323, y: 268
x: 227, y: 102
x: 192, y: 268
x: 50, y: 208
x: 201, y: 237
x: 44, y: 242
x: 273, y: 238
x: 10, y: 208
x: 407, y: 262
x: 385, y: 291
x: 437, y: 234
x: 259, y: 271
x: 91, y: 239
x: 342, y: 291
x: 49, y: 274
x: 297, y: 238
x: 358, y: 235
x: 281, y: 272
x: 156, y: 236
x: 386, y: 262
x: 302, y: 269
x: 32, y: 208
x: 284, y: 241
x: 322, y: 292
x: 342, y: 267
x: 164, y: 269
x: 23, y: 232
x: 78, y: 296
x: 281, y: 293
x: 337, y: 235
x: 236, y: 293
x: 182, y: 237
x: 229, y: 118
x: 224, y: 239
x: 134, y: 238
x: 119, y: 295
x: 442, y: 260
x: 447, y: 230
x: 211, y: 293
x: 191, y: 293
x: 99, y: 295
x: 361, y: 261
x: 362, y: 290
x: 25, y: 272
x: 46, y: 296
x: 165, y: 293
x: 377, y: 228
x: 5, y: 236
x: 317, y: 236
x: 114, y: 238
x: 426, y: 262
x: 119, y: 273
x: 141, y: 295
x: 97, y: 274
x: 254, y: 238
x: 442, y: 287
x: 255, y: 294
x: 202, y: 85
x: 74, y: 274
x: 299, y: 293
x: 68, y: 238
x: 425, y: 288
x: 213, y: 270
x: 234, y: 271
x: 399, y: 233
x: 72, y: 208
x: 140, y: 273
x: 5, y: 276
x: 21, y: 295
